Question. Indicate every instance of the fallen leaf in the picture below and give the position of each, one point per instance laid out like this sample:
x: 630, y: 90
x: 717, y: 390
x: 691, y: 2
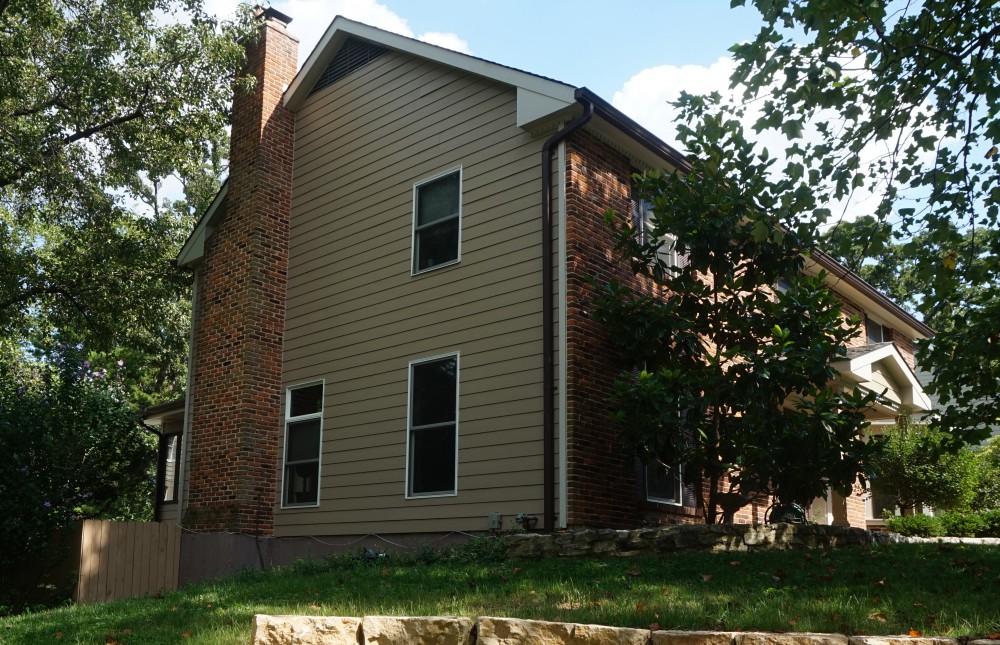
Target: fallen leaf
x: 880, y: 583
x: 914, y: 633
x: 707, y: 577
x: 793, y: 621
x: 568, y: 605
x: 666, y: 592
x: 917, y: 603
x: 314, y: 606
x: 635, y: 572
x: 517, y: 569
x: 59, y: 635
x: 735, y: 563
x: 879, y: 616
x: 185, y: 634
x: 994, y: 637
x: 639, y: 606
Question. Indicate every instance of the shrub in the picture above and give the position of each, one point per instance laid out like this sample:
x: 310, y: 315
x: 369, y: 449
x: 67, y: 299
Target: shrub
x: 918, y: 465
x: 72, y: 448
x: 915, y: 525
x: 987, y: 493
x: 989, y: 524
x: 961, y: 524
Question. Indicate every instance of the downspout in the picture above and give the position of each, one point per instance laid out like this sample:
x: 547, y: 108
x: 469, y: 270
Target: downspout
x: 548, y: 301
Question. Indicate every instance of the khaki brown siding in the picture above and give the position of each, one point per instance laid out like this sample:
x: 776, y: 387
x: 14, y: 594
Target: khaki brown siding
x: 356, y: 316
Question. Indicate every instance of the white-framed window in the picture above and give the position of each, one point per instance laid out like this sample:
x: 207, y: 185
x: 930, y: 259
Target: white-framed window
x: 170, y: 450
x: 437, y: 221
x: 432, y: 427
x: 876, y: 332
x: 303, y: 445
x: 664, y: 485
x: 642, y: 223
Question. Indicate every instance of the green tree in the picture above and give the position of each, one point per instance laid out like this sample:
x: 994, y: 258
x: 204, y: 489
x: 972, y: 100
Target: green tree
x: 103, y: 101
x: 73, y: 448
x: 894, y: 269
x: 987, y: 493
x: 732, y: 379
x: 915, y: 464
x: 906, y: 101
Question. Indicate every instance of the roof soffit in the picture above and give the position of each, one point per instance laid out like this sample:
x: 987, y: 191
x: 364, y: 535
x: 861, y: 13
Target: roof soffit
x: 194, y: 247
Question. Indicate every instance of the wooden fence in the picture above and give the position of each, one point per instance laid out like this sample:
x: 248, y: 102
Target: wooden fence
x: 127, y: 559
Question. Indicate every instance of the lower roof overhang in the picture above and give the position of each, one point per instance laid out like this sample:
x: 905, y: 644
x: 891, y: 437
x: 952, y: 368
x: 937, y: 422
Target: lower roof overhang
x: 900, y: 394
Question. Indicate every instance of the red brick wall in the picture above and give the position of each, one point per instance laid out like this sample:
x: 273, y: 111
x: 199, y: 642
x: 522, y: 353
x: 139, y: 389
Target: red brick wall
x: 601, y: 477
x: 241, y: 308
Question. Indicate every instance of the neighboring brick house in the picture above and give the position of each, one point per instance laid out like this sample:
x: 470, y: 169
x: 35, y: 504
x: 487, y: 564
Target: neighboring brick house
x: 391, y: 331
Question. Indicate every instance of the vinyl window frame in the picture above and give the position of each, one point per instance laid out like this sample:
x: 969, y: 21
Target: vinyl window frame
x: 872, y: 325
x: 642, y: 222
x: 168, y: 469
x: 319, y: 455
x: 679, y: 501
x: 417, y: 228
x: 407, y: 486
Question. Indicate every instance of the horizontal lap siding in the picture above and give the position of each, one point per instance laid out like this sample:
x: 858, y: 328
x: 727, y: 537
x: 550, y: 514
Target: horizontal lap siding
x: 356, y: 316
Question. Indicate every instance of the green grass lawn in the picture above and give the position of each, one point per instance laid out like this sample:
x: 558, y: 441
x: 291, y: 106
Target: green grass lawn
x: 946, y: 590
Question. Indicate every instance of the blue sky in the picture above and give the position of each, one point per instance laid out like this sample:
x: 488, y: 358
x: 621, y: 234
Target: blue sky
x: 638, y: 55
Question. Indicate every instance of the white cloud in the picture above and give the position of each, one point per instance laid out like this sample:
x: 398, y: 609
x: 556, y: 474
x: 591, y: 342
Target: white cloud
x: 310, y: 18
x: 646, y: 97
x: 446, y: 40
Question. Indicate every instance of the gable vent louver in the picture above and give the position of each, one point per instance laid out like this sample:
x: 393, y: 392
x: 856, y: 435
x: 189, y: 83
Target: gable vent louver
x: 353, y: 55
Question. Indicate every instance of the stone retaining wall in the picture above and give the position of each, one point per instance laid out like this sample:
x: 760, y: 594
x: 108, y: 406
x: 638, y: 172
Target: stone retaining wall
x: 689, y: 537
x: 444, y: 630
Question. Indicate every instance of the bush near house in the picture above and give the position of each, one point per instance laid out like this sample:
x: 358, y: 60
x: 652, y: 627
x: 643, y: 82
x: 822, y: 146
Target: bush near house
x: 71, y: 448
x: 984, y: 524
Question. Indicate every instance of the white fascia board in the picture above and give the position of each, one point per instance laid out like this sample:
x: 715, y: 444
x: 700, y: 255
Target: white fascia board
x: 194, y: 248
x: 859, y: 369
x: 341, y: 28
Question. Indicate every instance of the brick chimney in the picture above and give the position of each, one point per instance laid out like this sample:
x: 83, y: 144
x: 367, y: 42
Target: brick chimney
x: 240, y: 309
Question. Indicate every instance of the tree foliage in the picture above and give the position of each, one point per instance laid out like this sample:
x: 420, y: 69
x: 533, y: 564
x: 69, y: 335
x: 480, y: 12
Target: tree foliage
x: 73, y: 448
x: 103, y: 102
x: 916, y: 465
x: 906, y: 101
x: 731, y: 378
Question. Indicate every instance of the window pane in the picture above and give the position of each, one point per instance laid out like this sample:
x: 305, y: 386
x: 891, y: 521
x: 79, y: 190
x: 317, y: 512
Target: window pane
x: 438, y: 199
x: 306, y: 400
x: 663, y: 484
x: 437, y: 244
x: 432, y: 460
x: 433, y: 392
x: 303, y: 440
x: 302, y: 483
x: 170, y: 465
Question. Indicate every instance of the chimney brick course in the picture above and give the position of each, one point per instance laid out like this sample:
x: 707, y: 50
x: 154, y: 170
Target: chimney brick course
x: 240, y: 314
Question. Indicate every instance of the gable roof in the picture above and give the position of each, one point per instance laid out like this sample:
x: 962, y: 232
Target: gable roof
x: 538, y: 97
x: 859, y: 366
